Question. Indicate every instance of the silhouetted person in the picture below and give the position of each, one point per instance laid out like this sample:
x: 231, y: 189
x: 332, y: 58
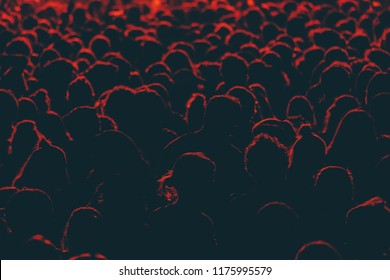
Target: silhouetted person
x: 334, y: 192
x: 306, y: 157
x: 83, y: 232
x: 353, y: 146
x: 183, y: 228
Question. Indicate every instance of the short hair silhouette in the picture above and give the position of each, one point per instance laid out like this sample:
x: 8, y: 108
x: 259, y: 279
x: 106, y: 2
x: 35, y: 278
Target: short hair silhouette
x: 318, y: 250
x: 29, y: 212
x: 266, y: 160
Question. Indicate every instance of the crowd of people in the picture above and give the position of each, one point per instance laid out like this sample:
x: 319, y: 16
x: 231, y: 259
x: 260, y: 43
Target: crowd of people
x: 203, y: 129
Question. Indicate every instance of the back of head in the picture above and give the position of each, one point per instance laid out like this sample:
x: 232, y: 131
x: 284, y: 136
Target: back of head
x: 177, y: 59
x: 42, y: 100
x: 100, y: 45
x: 29, y: 212
x: 277, y: 230
x: 80, y: 93
x: 25, y: 138
x: 234, y: 70
x: 266, y: 160
x: 117, y: 104
x: 318, y: 250
x: 89, y: 256
x: 334, y: 188
x: 301, y: 108
x: 307, y: 153
x: 368, y: 226
x: 39, y: 248
x: 149, y: 107
x: 354, y: 139
x: 247, y: 100
x: 282, y: 130
x: 336, y: 79
x: 192, y: 175
x: 83, y: 231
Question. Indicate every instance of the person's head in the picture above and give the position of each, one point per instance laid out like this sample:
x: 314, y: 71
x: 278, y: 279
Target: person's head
x: 42, y: 100
x: 300, y: 108
x: 254, y: 18
x: 318, y: 250
x: 149, y: 108
x: 282, y: 130
x: 117, y: 105
x: 306, y: 156
x: 82, y: 123
x: 79, y: 17
x: 336, y: 54
x: 25, y: 138
x: 177, y: 59
x: 276, y: 229
x: 19, y: 46
x: 379, y: 57
x: 336, y: 80
x: 103, y: 76
x: 39, y: 248
x: 29, y: 212
x: 83, y: 231
x: 89, y: 256
x: 368, y: 229
x: 353, y: 140
x: 234, y: 70
x: 100, y: 45
x: 222, y: 115
x: 247, y: 100
x: 266, y: 160
x: 27, y: 109
x: 334, y: 188
x: 80, y: 93
x: 327, y: 38
x: 190, y: 180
